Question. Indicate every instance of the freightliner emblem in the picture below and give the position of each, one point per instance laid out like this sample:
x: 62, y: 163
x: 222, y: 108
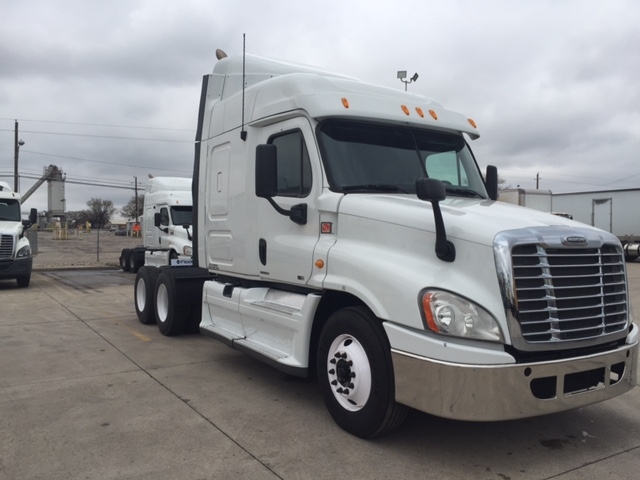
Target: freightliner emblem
x: 574, y: 240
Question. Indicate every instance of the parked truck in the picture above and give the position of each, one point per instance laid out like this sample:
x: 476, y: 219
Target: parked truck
x: 16, y: 260
x: 166, y: 225
x: 344, y: 230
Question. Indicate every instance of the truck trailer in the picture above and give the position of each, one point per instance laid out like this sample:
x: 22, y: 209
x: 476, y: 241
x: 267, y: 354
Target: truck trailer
x: 344, y: 230
x: 609, y: 210
x: 16, y: 260
x: 536, y: 199
x: 166, y: 223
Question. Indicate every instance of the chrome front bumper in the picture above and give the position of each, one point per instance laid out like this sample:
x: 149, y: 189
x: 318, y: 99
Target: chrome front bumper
x: 504, y: 392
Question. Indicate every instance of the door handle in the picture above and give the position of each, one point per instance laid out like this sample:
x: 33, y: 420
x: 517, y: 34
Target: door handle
x: 262, y: 251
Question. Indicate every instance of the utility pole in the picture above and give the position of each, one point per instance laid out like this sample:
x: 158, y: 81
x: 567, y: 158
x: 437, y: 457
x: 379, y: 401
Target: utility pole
x: 136, y: 190
x: 16, y: 149
x: 538, y: 181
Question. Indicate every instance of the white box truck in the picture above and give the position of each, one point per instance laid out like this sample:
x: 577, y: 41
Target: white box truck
x: 166, y: 225
x: 344, y: 230
x: 16, y: 260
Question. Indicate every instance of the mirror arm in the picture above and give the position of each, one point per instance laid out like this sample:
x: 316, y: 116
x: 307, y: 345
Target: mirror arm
x: 445, y: 249
x: 297, y: 214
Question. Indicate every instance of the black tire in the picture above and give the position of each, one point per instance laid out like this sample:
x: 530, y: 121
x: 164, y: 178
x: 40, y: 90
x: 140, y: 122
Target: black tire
x: 124, y: 259
x: 136, y: 260
x: 23, y: 280
x: 144, y: 290
x: 171, y: 318
x: 355, y: 374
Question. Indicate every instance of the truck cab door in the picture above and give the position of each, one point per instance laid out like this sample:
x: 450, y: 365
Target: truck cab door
x: 285, y: 247
x: 164, y: 225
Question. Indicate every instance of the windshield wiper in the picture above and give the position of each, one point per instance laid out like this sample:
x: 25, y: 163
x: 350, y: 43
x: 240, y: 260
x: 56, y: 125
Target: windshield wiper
x: 376, y: 187
x: 463, y: 192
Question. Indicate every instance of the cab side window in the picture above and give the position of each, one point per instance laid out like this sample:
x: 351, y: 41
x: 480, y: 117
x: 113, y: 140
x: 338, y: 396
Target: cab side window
x: 164, y: 217
x: 294, y: 167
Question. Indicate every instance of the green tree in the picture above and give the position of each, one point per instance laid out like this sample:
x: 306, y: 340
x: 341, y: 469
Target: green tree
x: 129, y: 210
x: 100, y: 211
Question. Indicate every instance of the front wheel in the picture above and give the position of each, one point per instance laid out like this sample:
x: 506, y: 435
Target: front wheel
x: 23, y: 281
x: 355, y: 374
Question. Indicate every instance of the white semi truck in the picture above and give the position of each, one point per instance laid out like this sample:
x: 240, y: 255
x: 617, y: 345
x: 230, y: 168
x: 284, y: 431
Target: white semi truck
x: 344, y: 230
x: 16, y: 260
x: 166, y: 225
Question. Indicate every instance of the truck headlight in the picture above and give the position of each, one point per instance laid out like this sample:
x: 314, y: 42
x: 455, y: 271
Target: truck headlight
x: 24, y: 252
x: 187, y: 250
x: 450, y: 314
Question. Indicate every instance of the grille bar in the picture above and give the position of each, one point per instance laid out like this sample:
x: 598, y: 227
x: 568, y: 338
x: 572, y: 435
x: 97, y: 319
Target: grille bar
x: 6, y: 246
x: 568, y: 294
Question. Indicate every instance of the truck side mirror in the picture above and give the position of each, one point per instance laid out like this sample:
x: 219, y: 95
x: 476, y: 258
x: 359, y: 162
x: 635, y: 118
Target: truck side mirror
x: 267, y: 183
x: 33, y: 216
x: 157, y: 219
x: 491, y: 182
x: 432, y: 190
x: 266, y: 171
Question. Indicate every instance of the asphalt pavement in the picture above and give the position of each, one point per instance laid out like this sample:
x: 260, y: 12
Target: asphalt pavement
x: 87, y: 392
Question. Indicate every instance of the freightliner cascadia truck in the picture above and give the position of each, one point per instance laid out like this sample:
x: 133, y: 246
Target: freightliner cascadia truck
x: 16, y: 260
x: 166, y: 224
x: 344, y: 230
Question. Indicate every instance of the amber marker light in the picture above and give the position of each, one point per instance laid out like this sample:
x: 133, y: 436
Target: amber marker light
x: 472, y: 123
x: 420, y: 112
x: 426, y: 307
x: 433, y: 114
x: 345, y: 102
x: 405, y: 109
x: 320, y: 263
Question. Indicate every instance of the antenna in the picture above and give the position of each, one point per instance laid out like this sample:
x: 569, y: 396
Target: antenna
x: 243, y: 132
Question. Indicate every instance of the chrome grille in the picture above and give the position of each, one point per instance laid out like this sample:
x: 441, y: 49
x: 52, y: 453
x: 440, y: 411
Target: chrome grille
x: 6, y: 246
x: 569, y: 294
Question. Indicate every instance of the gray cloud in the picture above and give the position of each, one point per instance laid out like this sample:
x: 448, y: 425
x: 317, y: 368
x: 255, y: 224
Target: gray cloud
x: 551, y: 84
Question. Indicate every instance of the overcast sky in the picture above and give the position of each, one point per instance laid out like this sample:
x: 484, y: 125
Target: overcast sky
x: 108, y: 90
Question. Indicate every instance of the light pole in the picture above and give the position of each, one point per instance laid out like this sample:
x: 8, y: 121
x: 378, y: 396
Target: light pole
x: 17, y: 144
x: 402, y: 74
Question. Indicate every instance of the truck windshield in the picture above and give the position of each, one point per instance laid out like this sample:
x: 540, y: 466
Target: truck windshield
x: 9, y: 210
x: 372, y: 158
x: 181, y: 215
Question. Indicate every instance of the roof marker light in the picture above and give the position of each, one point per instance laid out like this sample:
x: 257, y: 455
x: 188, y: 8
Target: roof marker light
x: 433, y: 114
x: 472, y: 123
x: 405, y: 109
x: 345, y: 102
x: 420, y: 112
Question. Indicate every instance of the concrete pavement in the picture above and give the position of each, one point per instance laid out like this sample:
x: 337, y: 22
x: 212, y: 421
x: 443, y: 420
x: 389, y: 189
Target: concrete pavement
x: 87, y: 392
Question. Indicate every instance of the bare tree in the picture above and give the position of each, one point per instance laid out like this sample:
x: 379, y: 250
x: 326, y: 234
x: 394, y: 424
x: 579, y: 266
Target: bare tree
x: 502, y: 184
x: 100, y: 211
x: 129, y: 210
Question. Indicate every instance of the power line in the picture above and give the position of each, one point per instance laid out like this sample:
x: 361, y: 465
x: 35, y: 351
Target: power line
x: 102, y: 161
x: 94, y: 184
x: 111, y: 137
x: 101, y: 125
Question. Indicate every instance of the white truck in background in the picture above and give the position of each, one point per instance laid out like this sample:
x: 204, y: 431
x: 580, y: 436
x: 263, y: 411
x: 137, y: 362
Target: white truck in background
x: 16, y: 260
x: 166, y: 225
x: 344, y: 229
